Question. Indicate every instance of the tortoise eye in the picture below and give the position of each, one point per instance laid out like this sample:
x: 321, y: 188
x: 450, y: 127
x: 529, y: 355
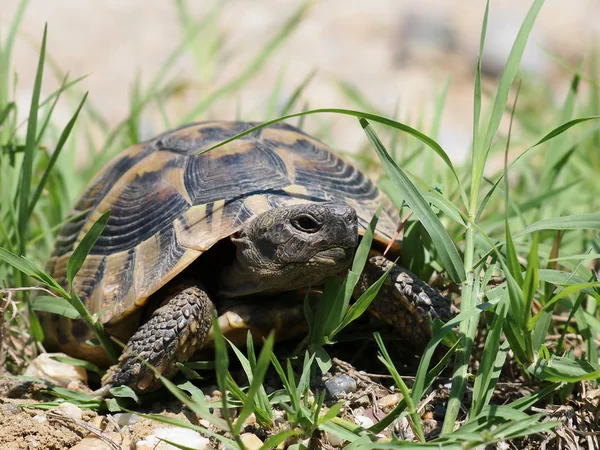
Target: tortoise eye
x: 306, y: 224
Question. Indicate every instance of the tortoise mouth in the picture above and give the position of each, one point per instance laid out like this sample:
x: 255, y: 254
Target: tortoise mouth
x: 335, y: 256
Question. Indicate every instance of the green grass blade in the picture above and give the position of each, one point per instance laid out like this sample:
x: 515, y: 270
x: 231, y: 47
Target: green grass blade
x: 564, y: 127
x: 55, y: 305
x: 59, y: 146
x: 589, y: 221
x: 508, y: 76
x: 556, y: 148
x: 448, y: 254
x: 27, y: 167
x: 412, y: 411
x: 487, y: 374
x: 363, y: 302
x: 46, y: 120
x: 25, y: 266
x: 82, y: 250
x: 477, y: 90
x: 221, y: 367
x: 563, y: 369
x: 258, y: 376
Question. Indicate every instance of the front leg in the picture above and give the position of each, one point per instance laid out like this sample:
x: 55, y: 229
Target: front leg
x: 172, y: 334
x: 404, y: 300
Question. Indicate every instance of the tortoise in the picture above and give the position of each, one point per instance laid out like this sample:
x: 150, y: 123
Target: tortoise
x: 274, y: 211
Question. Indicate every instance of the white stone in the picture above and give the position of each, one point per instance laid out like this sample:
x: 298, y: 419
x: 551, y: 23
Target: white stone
x: 177, y: 435
x: 55, y: 372
x: 39, y: 418
x: 125, y: 419
x: 334, y: 439
x: 251, y: 441
x: 70, y: 410
x: 364, y: 421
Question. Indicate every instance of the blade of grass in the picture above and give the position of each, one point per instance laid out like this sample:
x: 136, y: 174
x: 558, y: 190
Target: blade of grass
x: 59, y: 146
x: 27, y: 167
x: 448, y: 254
x: 258, y: 376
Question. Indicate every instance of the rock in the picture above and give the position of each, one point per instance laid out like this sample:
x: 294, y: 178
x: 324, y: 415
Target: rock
x: 339, y: 386
x: 39, y: 418
x: 389, y: 401
x: 251, y: 441
x: 279, y: 418
x: 181, y: 436
x: 92, y: 442
x: 12, y: 408
x: 364, y: 421
x: 362, y: 402
x: 404, y: 430
x: 250, y: 421
x: 334, y: 439
x: 70, y: 410
x: 55, y: 372
x: 126, y: 419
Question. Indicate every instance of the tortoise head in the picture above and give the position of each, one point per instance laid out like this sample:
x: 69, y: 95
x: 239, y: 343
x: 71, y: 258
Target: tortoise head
x: 291, y: 247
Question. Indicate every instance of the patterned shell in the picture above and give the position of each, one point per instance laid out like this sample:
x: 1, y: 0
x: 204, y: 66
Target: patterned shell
x: 169, y: 205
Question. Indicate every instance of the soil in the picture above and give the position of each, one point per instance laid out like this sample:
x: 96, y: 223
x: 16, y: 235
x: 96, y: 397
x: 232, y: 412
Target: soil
x: 22, y: 426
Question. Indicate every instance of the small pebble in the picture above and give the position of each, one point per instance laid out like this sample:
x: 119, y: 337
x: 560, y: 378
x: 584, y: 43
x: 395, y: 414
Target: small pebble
x: 39, y: 418
x: 125, y: 419
x: 339, y: 386
x: 92, y: 443
x: 12, y: 408
x: 389, y: 401
x: 70, y: 410
x: 55, y: 372
x: 362, y: 402
x: 279, y: 418
x: 404, y: 430
x: 205, y: 423
x: 334, y: 439
x: 364, y: 421
x: 251, y: 420
x: 181, y: 436
x: 251, y: 441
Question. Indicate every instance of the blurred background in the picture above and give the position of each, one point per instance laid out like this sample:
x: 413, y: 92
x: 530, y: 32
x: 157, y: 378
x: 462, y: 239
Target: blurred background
x: 242, y: 58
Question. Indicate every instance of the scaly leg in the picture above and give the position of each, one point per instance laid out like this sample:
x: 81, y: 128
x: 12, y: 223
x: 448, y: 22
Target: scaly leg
x: 404, y: 300
x: 172, y: 334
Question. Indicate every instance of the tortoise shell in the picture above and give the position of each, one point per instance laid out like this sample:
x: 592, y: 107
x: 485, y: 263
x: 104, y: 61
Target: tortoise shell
x: 170, y: 204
